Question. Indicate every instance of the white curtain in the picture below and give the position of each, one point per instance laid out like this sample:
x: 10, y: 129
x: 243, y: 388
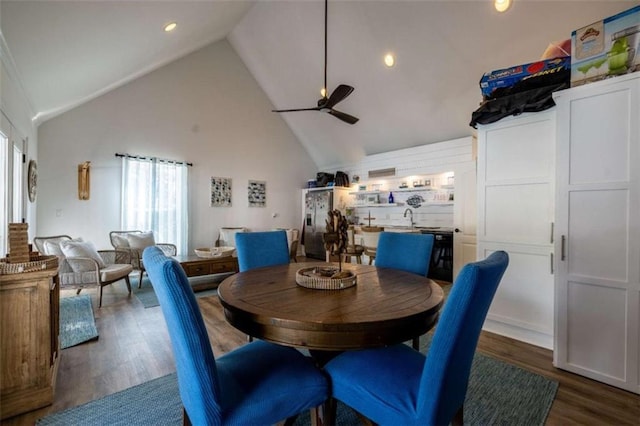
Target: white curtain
x: 155, y: 198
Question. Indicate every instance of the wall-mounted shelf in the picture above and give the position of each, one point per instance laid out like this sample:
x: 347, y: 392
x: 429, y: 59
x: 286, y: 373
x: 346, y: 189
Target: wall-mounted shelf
x: 408, y: 189
x: 365, y: 192
x: 424, y: 204
x: 414, y: 189
x: 375, y: 205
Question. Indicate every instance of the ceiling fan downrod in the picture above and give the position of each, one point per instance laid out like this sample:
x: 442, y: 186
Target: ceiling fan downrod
x: 326, y: 103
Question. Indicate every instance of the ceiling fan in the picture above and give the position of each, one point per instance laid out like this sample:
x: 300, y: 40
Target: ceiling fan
x: 326, y: 104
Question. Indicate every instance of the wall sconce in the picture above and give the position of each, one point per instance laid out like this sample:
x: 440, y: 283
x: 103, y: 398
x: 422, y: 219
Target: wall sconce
x: 84, y: 170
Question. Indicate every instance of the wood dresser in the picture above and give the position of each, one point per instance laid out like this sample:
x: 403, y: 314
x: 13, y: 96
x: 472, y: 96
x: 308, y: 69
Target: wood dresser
x: 29, y: 347
x: 195, y: 266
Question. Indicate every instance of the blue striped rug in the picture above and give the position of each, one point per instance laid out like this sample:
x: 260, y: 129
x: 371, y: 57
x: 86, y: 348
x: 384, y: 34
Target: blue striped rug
x: 498, y: 394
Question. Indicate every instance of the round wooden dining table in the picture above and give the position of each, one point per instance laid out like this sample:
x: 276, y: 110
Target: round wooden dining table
x: 386, y: 306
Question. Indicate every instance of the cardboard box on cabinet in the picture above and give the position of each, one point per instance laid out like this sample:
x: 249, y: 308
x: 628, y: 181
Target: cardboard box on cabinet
x: 537, y: 74
x: 606, y: 48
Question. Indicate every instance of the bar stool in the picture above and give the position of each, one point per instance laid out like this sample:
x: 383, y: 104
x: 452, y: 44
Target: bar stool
x: 370, y: 235
x: 352, y: 248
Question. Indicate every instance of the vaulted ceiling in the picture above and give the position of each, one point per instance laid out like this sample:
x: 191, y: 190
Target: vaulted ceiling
x: 68, y: 52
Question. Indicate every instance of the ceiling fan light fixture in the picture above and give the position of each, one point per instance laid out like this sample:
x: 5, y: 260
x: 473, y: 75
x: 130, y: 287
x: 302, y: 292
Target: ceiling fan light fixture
x: 502, y: 5
x: 170, y: 27
x: 323, y: 92
x: 389, y: 60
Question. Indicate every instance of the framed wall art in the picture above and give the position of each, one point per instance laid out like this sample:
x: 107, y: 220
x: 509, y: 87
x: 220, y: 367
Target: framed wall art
x: 32, y: 180
x: 220, y: 192
x: 257, y: 193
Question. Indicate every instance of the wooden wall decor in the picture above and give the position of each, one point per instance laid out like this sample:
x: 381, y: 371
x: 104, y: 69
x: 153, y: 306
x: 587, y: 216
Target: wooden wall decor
x: 84, y: 187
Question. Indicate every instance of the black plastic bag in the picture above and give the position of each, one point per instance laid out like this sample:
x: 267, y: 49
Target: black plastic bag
x: 533, y: 100
x: 342, y: 179
x: 323, y: 178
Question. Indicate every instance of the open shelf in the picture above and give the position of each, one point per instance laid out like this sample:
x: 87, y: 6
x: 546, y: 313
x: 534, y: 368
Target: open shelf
x: 375, y: 205
x: 414, y: 189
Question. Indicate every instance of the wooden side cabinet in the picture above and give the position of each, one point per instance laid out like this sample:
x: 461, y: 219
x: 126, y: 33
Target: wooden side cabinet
x: 29, y: 346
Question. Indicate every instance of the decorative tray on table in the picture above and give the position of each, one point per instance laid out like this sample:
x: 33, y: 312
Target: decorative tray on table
x: 325, y: 278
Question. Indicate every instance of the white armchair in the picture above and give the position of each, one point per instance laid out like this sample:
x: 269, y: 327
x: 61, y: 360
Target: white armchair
x: 133, y: 243
x: 82, y: 266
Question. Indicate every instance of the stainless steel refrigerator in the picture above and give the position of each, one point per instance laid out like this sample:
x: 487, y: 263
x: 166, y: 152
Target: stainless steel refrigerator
x: 317, y: 205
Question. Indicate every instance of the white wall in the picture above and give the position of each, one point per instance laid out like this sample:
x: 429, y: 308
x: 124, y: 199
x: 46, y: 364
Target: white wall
x: 205, y: 108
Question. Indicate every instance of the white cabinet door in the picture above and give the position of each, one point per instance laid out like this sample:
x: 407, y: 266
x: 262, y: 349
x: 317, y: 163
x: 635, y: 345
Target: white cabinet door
x: 464, y: 217
x: 598, y: 231
x: 516, y: 172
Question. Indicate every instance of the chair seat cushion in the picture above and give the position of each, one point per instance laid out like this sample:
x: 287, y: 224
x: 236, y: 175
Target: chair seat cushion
x: 269, y: 382
x: 115, y: 271
x: 382, y: 382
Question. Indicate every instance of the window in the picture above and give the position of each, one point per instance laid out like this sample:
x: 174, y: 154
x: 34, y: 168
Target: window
x: 4, y: 175
x: 12, y: 148
x: 155, y: 197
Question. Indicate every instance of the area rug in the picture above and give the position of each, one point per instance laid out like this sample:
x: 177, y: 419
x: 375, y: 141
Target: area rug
x: 77, y: 324
x: 148, y: 298
x: 499, y: 394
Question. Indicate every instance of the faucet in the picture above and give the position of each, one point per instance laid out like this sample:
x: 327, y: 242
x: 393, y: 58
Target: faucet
x: 410, y: 216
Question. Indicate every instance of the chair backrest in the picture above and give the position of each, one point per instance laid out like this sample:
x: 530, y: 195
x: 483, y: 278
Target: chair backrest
x: 445, y: 375
x: 406, y: 251
x: 351, y: 240
x: 119, y: 238
x: 227, y: 236
x: 370, y: 236
x: 195, y: 363
x: 258, y: 249
x: 50, y: 245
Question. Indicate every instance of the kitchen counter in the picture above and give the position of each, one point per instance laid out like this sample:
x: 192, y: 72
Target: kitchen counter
x: 416, y: 229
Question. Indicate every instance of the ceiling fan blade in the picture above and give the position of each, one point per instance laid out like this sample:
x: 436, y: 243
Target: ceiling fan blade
x: 296, y: 109
x: 343, y: 116
x: 338, y: 95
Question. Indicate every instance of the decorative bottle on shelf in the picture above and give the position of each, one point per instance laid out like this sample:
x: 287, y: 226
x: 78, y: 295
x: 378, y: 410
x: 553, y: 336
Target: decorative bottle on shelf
x: 390, y: 197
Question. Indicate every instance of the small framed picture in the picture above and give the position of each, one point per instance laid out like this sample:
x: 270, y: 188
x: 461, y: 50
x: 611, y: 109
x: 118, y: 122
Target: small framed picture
x: 257, y: 193
x: 220, y: 192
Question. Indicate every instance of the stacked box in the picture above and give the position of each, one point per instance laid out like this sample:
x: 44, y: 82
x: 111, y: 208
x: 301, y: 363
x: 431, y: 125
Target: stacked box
x: 606, y: 48
x: 496, y: 83
x: 18, y: 243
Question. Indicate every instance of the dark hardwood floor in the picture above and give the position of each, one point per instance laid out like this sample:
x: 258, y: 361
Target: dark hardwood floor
x: 134, y: 347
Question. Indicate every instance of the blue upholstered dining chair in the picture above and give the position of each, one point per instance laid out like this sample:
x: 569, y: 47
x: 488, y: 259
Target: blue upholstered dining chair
x: 409, y: 388
x: 258, y: 383
x: 407, y: 251
x: 258, y: 249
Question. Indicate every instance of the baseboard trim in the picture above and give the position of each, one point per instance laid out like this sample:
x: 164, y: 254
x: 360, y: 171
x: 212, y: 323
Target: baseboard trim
x: 532, y: 337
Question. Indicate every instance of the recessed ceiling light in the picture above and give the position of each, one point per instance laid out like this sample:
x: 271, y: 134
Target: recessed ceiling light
x: 502, y: 5
x: 170, y: 27
x: 389, y: 60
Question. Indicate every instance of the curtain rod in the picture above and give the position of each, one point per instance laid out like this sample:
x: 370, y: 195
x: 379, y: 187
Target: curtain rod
x: 162, y: 160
